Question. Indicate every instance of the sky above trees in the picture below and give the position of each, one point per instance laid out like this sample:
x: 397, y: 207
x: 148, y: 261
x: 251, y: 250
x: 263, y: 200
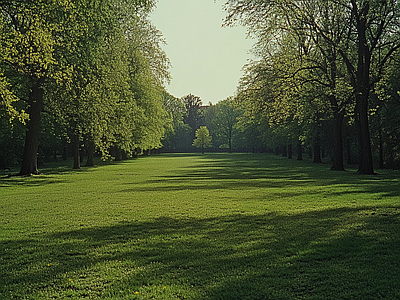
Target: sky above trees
x: 206, y: 58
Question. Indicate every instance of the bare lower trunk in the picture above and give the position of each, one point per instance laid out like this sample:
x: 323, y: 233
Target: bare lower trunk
x: 364, y: 140
x: 299, y: 151
x: 35, y: 102
x: 284, y: 151
x: 117, y: 154
x: 317, y: 150
x: 77, y: 159
x: 381, y: 158
x: 337, y: 151
x: 90, y: 152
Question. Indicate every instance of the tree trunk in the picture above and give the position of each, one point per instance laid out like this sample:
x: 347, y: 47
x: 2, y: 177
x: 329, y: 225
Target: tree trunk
x: 284, y: 151
x: 77, y: 159
x: 366, y: 162
x: 299, y: 151
x: 117, y: 154
x: 124, y: 155
x: 290, y: 151
x: 362, y: 96
x: 337, y: 151
x: 381, y: 158
x: 65, y: 150
x: 35, y: 101
x: 317, y: 150
x: 90, y: 152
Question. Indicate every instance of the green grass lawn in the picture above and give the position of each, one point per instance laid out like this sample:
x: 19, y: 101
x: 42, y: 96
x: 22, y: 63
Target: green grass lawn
x: 218, y: 226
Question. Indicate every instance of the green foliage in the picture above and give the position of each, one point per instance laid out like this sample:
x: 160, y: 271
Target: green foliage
x: 318, y: 61
x: 230, y: 226
x: 224, y: 121
x: 101, y: 65
x: 178, y: 134
x: 11, y: 140
x: 203, y: 138
x: 193, y: 112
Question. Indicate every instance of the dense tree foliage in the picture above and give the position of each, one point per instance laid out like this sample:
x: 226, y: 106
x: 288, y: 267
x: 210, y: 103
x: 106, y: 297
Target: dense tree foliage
x: 178, y: 136
x: 86, y: 77
x: 319, y: 60
x: 203, y: 138
x: 193, y: 112
x: 88, y: 73
x: 224, y: 120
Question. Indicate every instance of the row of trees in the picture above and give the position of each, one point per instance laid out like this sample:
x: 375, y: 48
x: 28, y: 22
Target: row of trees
x: 326, y: 66
x: 82, y: 73
x: 90, y: 75
x: 222, y: 120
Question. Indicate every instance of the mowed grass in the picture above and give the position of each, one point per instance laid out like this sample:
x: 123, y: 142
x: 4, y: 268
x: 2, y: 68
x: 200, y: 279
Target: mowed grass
x: 217, y: 226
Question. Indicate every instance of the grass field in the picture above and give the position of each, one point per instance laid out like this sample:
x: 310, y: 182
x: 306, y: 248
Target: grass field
x: 218, y: 226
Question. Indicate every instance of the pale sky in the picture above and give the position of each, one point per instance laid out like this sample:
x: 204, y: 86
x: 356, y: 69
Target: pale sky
x: 207, y: 59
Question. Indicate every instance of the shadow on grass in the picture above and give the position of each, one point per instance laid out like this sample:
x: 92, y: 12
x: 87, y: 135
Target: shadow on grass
x: 49, y: 174
x: 330, y: 254
x: 238, y: 171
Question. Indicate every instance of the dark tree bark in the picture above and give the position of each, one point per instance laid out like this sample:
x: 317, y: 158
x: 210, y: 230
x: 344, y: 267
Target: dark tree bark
x: 117, y: 154
x: 77, y: 159
x: 364, y: 140
x: 290, y: 151
x: 348, y: 147
x: 337, y: 151
x: 35, y: 106
x: 124, y: 155
x: 299, y: 151
x: 90, y: 153
x: 317, y: 150
x: 381, y: 157
x: 361, y: 82
x: 284, y: 151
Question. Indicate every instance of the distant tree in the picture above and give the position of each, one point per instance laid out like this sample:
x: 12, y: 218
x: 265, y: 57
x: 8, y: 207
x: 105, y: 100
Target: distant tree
x: 225, y: 119
x: 178, y: 134
x: 203, y: 138
x: 192, y: 104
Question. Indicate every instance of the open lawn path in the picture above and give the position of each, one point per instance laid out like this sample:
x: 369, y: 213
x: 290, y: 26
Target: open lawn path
x: 188, y: 226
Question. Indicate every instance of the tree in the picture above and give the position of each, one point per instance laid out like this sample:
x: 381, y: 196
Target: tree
x: 192, y: 118
x: 30, y: 34
x: 96, y: 67
x: 360, y: 35
x: 203, y: 138
x: 225, y: 119
x: 178, y: 134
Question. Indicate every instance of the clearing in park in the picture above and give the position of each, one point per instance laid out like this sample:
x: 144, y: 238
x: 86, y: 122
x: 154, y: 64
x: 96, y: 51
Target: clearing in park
x: 214, y: 226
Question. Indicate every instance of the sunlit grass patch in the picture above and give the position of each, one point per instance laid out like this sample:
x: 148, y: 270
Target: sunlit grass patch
x: 239, y: 226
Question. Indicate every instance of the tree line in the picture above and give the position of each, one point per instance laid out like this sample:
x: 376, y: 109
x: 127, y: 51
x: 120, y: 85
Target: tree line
x: 88, y: 77
x: 327, y: 75
x: 222, y: 122
x: 79, y: 74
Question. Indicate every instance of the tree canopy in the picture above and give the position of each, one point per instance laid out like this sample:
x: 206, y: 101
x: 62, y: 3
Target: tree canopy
x: 333, y: 51
x: 97, y: 69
